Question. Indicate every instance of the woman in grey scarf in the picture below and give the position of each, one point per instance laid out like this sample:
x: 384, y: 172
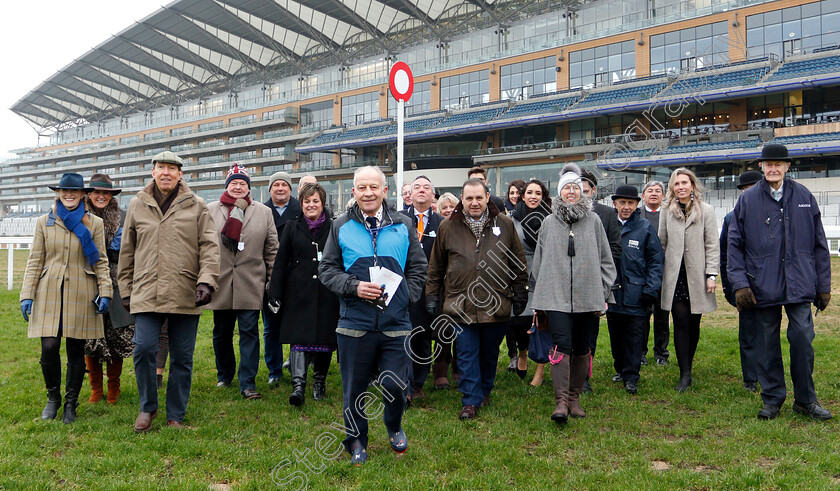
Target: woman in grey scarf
x: 571, y: 278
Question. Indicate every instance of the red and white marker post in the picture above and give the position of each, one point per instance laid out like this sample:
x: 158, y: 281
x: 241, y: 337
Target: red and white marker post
x: 401, y: 83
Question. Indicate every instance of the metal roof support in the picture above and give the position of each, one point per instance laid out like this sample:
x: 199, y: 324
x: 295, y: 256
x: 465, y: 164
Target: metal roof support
x: 362, y: 24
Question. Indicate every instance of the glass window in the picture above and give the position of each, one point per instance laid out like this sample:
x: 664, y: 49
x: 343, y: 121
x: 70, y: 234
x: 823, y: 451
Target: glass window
x: 420, y: 102
x: 317, y: 115
x: 464, y: 90
x: 603, y: 65
x: 357, y: 109
x: 522, y: 80
x: 690, y: 48
x: 789, y: 31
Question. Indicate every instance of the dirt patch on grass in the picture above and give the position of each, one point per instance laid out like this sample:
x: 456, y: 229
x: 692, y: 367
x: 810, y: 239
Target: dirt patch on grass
x: 660, y: 465
x: 767, y: 462
x: 705, y: 469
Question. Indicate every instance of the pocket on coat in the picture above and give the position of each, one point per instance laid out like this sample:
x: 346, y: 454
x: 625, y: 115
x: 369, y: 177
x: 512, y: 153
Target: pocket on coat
x: 633, y: 291
x: 88, y: 271
x: 43, y: 272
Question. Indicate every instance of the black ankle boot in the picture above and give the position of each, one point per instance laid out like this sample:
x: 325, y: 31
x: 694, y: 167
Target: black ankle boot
x: 75, y: 377
x: 52, y: 379
x: 319, y: 387
x: 685, y: 381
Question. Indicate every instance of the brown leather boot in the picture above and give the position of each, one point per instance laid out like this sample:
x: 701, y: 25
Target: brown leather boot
x: 577, y: 376
x: 560, y: 382
x: 94, y: 367
x: 439, y: 372
x: 114, y: 369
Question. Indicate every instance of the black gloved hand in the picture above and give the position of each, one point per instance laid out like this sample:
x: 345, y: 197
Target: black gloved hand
x: 519, y: 307
x: 274, y: 305
x: 203, y: 294
x: 432, y: 304
x: 744, y: 299
x: 821, y: 301
x: 649, y: 300
x: 126, y: 303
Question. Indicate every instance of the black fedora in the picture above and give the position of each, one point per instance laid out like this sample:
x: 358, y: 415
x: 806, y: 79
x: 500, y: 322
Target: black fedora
x: 626, y: 191
x: 71, y: 180
x: 749, y: 178
x: 102, y: 182
x: 774, y: 152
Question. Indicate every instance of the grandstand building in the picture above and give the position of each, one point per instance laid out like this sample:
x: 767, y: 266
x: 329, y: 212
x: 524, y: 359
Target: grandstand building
x: 633, y: 88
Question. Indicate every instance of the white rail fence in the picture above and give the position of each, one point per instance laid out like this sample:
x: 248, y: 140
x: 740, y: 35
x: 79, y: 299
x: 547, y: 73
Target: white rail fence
x: 13, y: 244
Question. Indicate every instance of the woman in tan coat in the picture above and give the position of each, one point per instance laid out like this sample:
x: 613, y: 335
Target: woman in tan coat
x: 65, y: 286
x: 689, y: 236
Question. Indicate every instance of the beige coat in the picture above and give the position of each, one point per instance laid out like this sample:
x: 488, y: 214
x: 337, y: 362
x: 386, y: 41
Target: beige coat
x: 62, y: 284
x: 244, y: 275
x: 696, y: 239
x: 164, y: 257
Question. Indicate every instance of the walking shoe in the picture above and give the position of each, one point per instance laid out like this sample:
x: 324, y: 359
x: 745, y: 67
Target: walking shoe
x: 751, y: 386
x: 144, y: 421
x: 358, y: 454
x: 512, y: 365
x: 442, y: 383
x: 769, y: 411
x: 398, y: 441
x: 631, y: 388
x: 617, y: 378
x: 467, y: 412
x: 250, y: 394
x: 662, y: 362
x: 222, y: 384
x: 177, y: 425
x: 684, y: 382
x: 812, y: 409
x: 644, y: 360
x: 274, y: 382
x: 418, y: 394
x: 485, y: 401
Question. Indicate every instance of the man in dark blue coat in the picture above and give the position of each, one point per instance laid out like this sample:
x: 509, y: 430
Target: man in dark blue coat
x: 426, y: 223
x: 284, y: 208
x: 638, y: 283
x: 746, y: 317
x: 778, y: 257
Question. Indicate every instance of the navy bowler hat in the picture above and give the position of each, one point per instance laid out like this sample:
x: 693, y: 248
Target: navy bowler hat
x: 749, y: 178
x: 71, y: 180
x: 626, y: 191
x: 774, y: 152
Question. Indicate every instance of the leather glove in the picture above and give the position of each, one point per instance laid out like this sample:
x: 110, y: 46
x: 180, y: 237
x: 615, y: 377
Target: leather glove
x: 432, y: 304
x: 821, y: 301
x: 274, y: 305
x: 126, y: 303
x: 519, y: 307
x: 26, y: 309
x: 203, y: 294
x: 103, y: 305
x: 648, y: 300
x: 744, y: 299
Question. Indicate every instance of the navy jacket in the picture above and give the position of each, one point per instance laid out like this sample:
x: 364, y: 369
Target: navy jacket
x: 639, y: 269
x: 728, y: 293
x: 778, y: 249
x: 348, y: 255
x: 292, y: 211
x: 419, y: 316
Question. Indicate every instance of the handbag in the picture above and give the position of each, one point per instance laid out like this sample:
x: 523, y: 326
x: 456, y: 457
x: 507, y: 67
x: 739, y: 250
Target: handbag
x: 539, y: 342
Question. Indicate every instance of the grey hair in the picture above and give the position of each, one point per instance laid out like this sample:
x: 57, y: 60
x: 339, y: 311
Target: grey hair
x: 373, y: 168
x: 448, y: 197
x: 654, y: 183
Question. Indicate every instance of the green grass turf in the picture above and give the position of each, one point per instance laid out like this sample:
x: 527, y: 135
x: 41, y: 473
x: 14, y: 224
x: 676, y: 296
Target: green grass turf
x: 706, y: 438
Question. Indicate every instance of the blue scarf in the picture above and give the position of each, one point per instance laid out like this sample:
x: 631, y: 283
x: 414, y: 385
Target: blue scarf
x: 73, y: 221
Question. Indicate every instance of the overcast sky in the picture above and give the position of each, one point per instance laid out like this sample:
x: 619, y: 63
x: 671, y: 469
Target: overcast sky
x: 41, y: 37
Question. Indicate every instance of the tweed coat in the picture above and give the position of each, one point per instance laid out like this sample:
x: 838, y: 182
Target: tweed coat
x: 694, y: 240
x: 62, y: 284
x: 163, y: 257
x: 243, y: 276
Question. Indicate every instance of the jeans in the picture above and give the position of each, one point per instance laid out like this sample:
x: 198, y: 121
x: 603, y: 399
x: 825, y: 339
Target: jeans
x: 477, y: 347
x: 360, y: 359
x: 273, y: 348
x: 182, y: 332
x: 249, y: 346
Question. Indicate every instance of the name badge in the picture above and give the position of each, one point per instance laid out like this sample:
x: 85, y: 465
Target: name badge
x: 497, y: 231
x: 432, y: 234
x: 241, y: 246
x: 320, y: 255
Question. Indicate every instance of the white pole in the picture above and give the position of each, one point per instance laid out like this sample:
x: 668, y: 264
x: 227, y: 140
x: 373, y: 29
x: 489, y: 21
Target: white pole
x: 10, y: 248
x: 400, y: 123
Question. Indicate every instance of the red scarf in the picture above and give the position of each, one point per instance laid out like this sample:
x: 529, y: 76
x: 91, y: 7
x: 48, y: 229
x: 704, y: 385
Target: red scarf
x: 232, y: 231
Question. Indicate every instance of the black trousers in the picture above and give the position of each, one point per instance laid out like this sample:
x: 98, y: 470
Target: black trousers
x: 572, y: 333
x: 748, y: 341
x: 627, y: 344
x: 771, y: 368
x: 686, y: 334
x: 420, y: 344
x: 661, y: 333
x: 517, y: 335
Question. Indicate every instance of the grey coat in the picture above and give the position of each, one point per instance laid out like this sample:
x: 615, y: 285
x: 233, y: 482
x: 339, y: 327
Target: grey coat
x: 572, y: 284
x: 696, y: 241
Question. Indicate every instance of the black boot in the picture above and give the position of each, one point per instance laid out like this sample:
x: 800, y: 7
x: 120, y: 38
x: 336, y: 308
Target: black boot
x: 320, y: 367
x: 297, y: 367
x: 75, y: 377
x: 685, y: 381
x: 52, y: 379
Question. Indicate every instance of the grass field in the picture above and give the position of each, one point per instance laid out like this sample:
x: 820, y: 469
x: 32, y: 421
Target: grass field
x: 707, y: 437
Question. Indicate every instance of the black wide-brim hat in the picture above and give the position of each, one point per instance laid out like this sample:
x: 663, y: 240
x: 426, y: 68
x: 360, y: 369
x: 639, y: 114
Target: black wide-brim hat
x: 71, y: 180
x: 774, y: 152
x: 102, y: 182
x: 749, y: 178
x: 626, y: 191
